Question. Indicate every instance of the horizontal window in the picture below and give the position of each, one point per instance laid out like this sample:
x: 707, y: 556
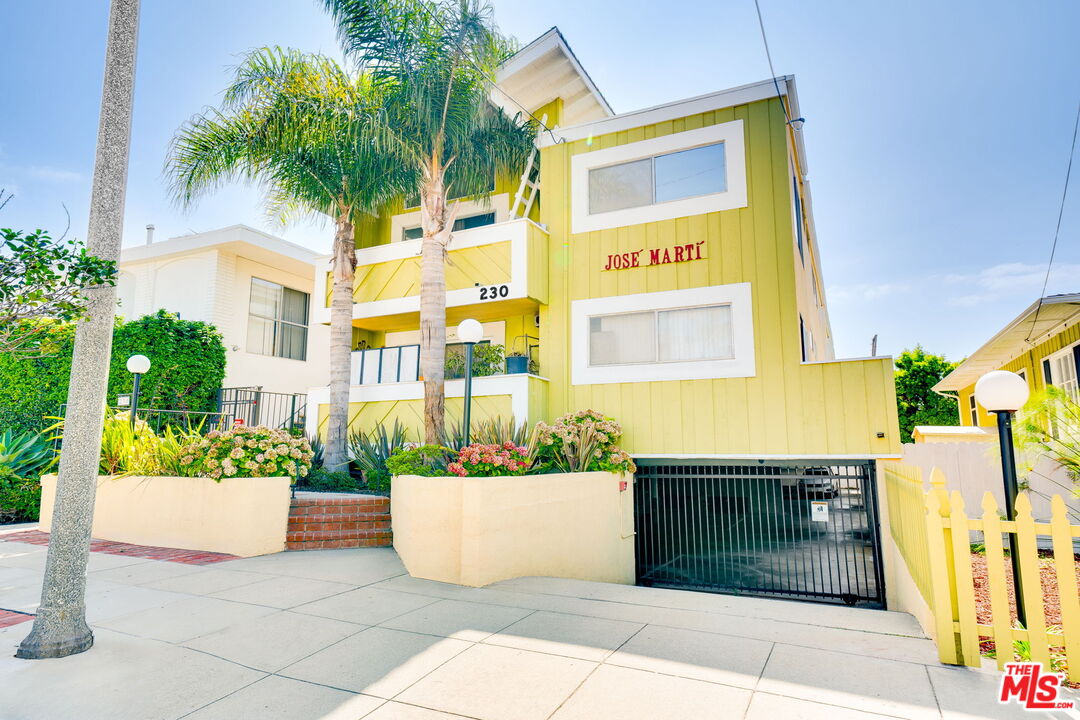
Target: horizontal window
x: 696, y: 333
x: 678, y: 175
x: 465, y: 223
x: 682, y: 335
x: 663, y: 178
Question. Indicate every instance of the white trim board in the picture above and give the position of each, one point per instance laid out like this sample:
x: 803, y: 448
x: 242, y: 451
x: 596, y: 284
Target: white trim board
x: 731, y: 134
x: 516, y: 386
x: 743, y: 456
x: 669, y: 111
x: 743, y: 364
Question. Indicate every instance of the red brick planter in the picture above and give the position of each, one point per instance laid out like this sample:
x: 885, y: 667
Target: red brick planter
x: 319, y: 521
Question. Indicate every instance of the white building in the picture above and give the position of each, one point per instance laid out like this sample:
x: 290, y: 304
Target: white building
x: 255, y: 288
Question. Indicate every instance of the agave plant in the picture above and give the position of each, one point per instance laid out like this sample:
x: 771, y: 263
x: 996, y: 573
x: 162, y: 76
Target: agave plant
x: 26, y: 454
x: 370, y: 451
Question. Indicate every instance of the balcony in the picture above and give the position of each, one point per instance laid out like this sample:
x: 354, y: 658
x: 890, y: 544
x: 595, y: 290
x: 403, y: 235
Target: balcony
x: 493, y: 271
x: 401, y: 364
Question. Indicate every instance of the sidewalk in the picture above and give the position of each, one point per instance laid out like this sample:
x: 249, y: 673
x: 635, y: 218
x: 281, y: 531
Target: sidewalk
x: 346, y: 634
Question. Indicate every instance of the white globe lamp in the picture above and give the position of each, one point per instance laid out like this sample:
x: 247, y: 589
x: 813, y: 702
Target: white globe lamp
x: 470, y: 331
x: 1001, y: 391
x: 138, y: 364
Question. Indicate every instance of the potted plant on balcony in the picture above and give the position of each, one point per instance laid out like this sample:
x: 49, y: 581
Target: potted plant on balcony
x: 517, y: 363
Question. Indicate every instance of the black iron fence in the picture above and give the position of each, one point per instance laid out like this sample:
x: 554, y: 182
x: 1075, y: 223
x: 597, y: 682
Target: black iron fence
x: 252, y: 406
x: 805, y: 529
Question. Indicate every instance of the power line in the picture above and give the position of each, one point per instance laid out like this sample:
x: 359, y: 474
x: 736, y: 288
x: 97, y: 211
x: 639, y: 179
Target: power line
x: 1057, y: 230
x: 768, y: 56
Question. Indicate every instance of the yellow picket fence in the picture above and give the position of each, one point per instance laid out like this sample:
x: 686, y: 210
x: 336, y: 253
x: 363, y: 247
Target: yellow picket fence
x: 932, y: 530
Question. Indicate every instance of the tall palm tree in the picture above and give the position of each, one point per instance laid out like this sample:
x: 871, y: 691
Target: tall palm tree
x: 438, y: 62
x: 299, y: 125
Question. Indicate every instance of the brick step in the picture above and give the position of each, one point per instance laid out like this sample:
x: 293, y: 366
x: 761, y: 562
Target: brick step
x: 337, y: 534
x: 382, y: 524
x: 337, y: 518
x: 319, y: 521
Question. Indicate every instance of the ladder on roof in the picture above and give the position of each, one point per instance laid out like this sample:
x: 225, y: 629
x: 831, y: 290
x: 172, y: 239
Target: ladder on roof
x: 530, y: 181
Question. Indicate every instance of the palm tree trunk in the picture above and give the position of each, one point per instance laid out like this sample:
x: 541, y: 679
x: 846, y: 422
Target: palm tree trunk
x: 60, y: 627
x: 335, y: 457
x: 437, y: 227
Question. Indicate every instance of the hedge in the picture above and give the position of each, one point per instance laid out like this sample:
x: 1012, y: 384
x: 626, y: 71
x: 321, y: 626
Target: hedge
x: 187, y: 368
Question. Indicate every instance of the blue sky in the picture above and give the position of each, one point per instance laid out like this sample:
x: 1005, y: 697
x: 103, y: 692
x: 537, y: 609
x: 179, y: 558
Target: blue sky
x: 937, y: 133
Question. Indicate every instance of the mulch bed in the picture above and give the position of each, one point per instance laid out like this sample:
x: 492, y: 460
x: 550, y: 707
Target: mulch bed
x: 1051, y: 607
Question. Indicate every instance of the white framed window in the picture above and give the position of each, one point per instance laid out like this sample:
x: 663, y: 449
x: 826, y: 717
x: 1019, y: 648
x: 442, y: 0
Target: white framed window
x: 687, y: 173
x: 692, y: 334
x: 1063, y: 371
x: 973, y: 408
x: 277, y: 320
x: 465, y: 223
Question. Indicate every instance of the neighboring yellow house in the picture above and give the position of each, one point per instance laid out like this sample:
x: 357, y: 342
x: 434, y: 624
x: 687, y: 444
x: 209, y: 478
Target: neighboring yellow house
x: 667, y: 274
x: 1041, y: 345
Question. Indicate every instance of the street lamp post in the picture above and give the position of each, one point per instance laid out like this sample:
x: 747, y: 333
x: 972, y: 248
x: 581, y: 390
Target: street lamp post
x: 1003, y: 393
x: 137, y: 365
x: 469, y: 332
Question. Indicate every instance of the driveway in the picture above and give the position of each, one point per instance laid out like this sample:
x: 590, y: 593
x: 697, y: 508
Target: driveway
x: 347, y: 634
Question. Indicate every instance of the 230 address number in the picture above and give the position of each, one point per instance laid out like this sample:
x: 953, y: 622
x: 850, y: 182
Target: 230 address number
x: 494, y: 292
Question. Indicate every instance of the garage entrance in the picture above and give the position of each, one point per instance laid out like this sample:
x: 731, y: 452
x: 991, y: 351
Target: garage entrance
x: 804, y: 529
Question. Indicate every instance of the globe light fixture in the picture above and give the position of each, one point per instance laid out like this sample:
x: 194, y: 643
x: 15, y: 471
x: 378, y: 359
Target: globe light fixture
x: 1003, y: 393
x: 470, y: 332
x: 137, y: 365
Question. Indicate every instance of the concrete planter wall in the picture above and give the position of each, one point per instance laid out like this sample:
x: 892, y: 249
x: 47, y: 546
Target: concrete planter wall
x: 239, y: 516
x: 475, y: 530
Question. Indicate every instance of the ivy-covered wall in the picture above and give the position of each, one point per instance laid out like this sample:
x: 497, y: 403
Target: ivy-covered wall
x: 187, y: 367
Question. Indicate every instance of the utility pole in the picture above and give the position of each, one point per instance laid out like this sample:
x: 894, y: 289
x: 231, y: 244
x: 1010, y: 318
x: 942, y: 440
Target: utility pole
x: 60, y: 627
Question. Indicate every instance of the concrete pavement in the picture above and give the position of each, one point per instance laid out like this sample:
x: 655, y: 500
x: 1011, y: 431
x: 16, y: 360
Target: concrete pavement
x: 347, y: 634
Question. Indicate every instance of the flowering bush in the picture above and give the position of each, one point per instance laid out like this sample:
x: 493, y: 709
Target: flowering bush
x: 248, y: 452
x: 581, y: 442
x: 481, y: 460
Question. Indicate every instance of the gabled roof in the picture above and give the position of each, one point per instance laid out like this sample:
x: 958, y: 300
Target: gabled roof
x: 546, y: 69
x: 1033, y: 326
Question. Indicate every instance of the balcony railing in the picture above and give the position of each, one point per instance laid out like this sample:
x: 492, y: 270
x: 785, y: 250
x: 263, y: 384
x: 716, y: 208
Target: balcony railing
x: 399, y: 363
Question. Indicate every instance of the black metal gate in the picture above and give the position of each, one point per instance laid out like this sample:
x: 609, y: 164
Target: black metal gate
x: 253, y: 406
x: 804, y: 529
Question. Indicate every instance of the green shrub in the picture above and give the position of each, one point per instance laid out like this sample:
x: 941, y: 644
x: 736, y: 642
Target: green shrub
x: 249, y: 452
x: 20, y: 497
x: 371, y: 450
x: 487, y: 359
x: 426, y: 460
x: 320, y: 480
x: 26, y: 454
x: 187, y: 368
x: 581, y: 442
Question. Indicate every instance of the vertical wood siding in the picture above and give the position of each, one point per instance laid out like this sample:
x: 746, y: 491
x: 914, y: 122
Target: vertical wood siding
x: 789, y: 407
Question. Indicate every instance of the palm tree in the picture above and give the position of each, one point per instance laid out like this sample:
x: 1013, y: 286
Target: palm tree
x: 298, y: 125
x: 438, y: 62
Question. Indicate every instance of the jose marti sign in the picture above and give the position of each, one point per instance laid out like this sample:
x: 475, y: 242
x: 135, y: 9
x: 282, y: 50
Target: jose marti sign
x: 659, y: 256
